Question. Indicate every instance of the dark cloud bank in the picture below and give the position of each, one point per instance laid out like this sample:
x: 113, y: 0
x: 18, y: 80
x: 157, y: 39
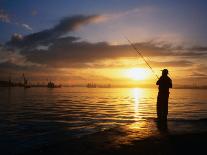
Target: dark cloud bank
x: 56, y: 48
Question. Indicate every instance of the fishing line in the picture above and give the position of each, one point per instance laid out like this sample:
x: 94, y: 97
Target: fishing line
x: 139, y: 52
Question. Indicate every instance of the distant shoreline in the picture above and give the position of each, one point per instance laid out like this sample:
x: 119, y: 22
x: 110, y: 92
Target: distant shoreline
x: 94, y: 85
x: 45, y: 86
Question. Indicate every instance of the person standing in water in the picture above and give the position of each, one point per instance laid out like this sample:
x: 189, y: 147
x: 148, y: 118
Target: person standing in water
x: 164, y: 83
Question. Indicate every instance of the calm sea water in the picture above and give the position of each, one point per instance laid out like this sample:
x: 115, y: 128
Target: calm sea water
x: 37, y: 116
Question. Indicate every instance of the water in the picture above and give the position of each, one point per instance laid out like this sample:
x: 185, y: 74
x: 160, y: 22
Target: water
x: 33, y: 117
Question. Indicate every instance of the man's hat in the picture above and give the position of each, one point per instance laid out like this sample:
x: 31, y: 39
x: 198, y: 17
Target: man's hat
x: 165, y: 71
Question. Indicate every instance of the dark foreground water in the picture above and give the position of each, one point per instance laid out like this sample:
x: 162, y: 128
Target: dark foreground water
x: 31, y: 118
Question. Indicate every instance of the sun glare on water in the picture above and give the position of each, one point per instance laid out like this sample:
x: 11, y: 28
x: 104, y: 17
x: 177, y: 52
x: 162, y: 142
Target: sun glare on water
x: 137, y: 73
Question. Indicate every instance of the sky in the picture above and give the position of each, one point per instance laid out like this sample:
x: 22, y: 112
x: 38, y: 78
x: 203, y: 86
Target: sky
x: 75, y: 42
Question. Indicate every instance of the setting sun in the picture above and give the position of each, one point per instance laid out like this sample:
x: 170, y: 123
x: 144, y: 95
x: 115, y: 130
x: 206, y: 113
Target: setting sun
x: 137, y: 73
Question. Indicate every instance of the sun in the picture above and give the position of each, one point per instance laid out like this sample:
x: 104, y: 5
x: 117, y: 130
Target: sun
x: 137, y: 73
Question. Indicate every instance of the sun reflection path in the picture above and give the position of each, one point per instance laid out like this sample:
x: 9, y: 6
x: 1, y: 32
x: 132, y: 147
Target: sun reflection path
x: 137, y: 93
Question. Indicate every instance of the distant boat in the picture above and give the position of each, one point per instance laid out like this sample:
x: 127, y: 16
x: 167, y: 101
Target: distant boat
x: 26, y: 85
x: 105, y: 86
x: 52, y: 85
x: 91, y: 85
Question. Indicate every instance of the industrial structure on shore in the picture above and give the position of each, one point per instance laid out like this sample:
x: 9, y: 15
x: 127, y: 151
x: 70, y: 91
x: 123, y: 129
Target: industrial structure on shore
x: 26, y: 84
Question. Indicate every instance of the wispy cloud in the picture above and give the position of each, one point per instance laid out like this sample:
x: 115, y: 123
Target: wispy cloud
x: 7, y: 18
x: 198, y: 74
x: 134, y: 63
x: 138, y: 11
x: 26, y: 26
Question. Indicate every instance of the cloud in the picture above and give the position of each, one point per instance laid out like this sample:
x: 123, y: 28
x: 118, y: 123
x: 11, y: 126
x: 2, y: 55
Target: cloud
x: 43, y: 47
x: 71, y: 52
x: 55, y: 48
x: 133, y: 63
x: 63, y: 50
x: 198, y: 48
x: 198, y: 78
x: 175, y: 63
x: 11, y: 56
x: 16, y: 37
x: 65, y: 25
x: 66, y: 52
x: 201, y: 67
x: 26, y: 26
x: 198, y: 74
x: 23, y: 50
x: 4, y: 17
x: 138, y: 11
x: 14, y: 57
x: 71, y: 23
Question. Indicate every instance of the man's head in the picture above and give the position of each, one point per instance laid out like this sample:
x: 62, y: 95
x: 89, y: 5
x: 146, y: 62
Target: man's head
x: 164, y: 72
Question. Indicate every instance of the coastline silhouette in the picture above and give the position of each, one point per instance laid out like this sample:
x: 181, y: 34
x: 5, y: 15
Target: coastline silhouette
x: 164, y: 83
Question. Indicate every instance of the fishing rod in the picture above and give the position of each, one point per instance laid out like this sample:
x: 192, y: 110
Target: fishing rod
x: 139, y: 52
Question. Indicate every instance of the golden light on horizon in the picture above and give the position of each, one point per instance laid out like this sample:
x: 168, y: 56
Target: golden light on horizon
x: 137, y: 74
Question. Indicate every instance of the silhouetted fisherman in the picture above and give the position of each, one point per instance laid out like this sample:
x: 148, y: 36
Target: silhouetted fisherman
x: 164, y: 83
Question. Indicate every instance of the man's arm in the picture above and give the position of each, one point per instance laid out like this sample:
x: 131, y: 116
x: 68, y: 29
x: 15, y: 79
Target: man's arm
x: 170, y: 84
x: 158, y: 82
